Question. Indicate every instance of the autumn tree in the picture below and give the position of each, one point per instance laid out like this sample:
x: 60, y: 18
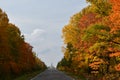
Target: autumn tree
x: 93, y: 34
x: 16, y: 55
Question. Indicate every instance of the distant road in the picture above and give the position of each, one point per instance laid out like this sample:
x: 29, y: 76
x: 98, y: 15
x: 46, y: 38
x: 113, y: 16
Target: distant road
x: 52, y: 74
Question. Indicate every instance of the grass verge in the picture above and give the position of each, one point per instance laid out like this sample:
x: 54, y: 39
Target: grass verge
x: 28, y: 76
x: 76, y: 77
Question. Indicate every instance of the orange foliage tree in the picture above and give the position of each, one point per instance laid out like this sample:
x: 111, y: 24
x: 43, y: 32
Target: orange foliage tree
x: 93, y: 37
x: 16, y: 55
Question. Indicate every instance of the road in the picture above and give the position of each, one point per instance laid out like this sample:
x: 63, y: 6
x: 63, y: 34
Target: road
x: 52, y: 74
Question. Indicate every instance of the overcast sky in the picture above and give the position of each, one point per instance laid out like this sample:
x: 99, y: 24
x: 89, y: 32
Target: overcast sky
x: 41, y: 21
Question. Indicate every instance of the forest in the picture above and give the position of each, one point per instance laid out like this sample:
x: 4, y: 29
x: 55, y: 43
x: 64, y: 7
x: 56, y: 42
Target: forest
x: 92, y: 41
x: 16, y: 55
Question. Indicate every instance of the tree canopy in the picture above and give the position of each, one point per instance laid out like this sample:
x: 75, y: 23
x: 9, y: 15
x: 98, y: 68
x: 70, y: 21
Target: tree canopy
x: 94, y: 37
x: 16, y: 55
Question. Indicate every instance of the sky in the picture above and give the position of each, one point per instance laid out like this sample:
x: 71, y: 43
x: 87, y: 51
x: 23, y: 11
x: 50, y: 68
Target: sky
x: 41, y: 21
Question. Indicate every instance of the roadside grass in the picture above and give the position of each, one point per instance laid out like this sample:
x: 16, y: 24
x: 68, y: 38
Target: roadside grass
x: 76, y: 77
x: 29, y: 75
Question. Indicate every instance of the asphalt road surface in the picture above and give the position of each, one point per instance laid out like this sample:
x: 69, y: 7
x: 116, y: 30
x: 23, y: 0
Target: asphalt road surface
x: 52, y: 74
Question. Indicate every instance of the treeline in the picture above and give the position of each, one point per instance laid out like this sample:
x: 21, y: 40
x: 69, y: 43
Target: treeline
x: 92, y: 41
x: 16, y: 55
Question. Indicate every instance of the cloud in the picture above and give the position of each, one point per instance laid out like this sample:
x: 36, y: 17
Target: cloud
x: 37, y: 32
x: 36, y: 35
x: 46, y: 44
